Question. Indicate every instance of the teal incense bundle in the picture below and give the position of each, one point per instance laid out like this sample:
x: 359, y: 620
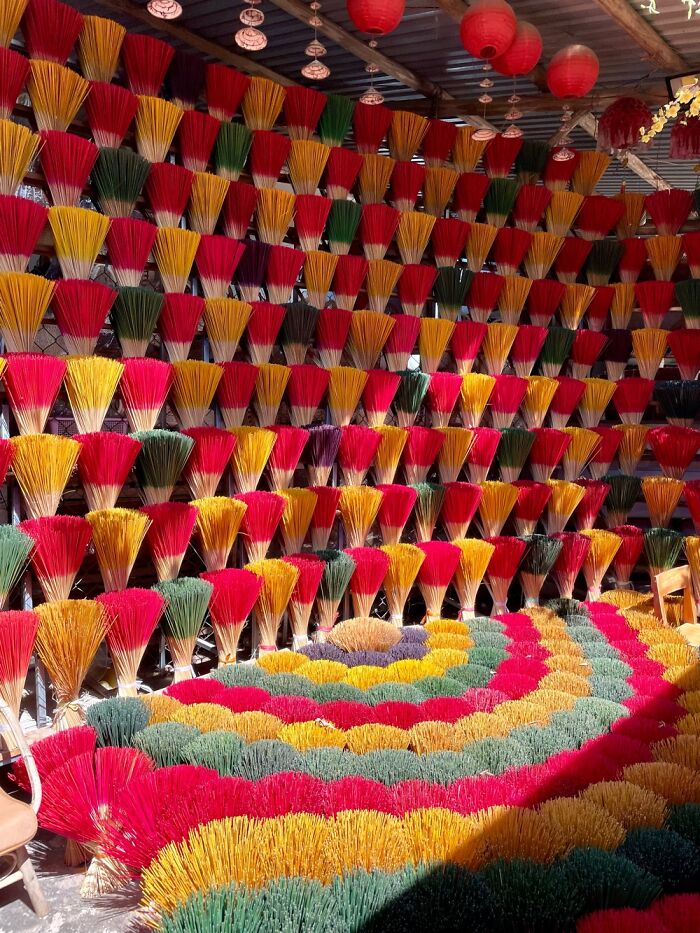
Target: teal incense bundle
x: 186, y: 602
x: 160, y: 462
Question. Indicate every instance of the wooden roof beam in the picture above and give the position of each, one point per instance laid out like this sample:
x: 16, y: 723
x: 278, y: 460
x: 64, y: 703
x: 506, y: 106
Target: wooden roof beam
x: 644, y: 35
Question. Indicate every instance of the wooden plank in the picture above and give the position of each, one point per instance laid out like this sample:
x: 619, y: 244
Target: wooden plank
x: 643, y: 34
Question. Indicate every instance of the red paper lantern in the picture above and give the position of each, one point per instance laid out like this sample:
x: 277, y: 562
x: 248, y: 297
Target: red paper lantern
x: 488, y: 28
x: 619, y: 124
x: 376, y: 17
x: 685, y: 139
x: 573, y: 71
x: 524, y: 51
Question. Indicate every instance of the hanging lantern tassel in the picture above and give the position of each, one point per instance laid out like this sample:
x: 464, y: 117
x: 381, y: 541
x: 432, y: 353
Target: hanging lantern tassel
x: 621, y: 124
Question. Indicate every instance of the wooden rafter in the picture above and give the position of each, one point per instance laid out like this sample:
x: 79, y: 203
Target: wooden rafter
x: 644, y: 35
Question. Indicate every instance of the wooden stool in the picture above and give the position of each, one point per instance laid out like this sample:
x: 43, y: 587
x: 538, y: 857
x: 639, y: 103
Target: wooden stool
x: 671, y: 581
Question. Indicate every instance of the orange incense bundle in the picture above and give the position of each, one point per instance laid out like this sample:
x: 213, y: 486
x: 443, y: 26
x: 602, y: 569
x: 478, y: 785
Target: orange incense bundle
x: 543, y: 299
x: 395, y: 510
x: 99, y: 45
x: 307, y: 160
x: 378, y: 394
x: 274, y: 212
x: 90, y: 386
x: 604, y: 545
x: 233, y: 596
x: 422, y: 448
x: 345, y: 387
x: 596, y: 397
x: 262, y: 103
x: 526, y: 348
x: 497, y: 345
x: 296, y: 518
x: 374, y: 178
x: 443, y: 391
x: 649, y: 349
x: 32, y: 383
x: 547, y: 452
x: 382, y: 277
x: 509, y: 249
x: 674, y: 448
x: 14, y: 69
x: 305, y: 390
x: 505, y: 400
x: 169, y: 535
x: 217, y: 260
x: 225, y: 90
x: 358, y: 446
x: 459, y: 508
x: 568, y: 395
x: 530, y: 206
x: 239, y: 206
x: 585, y: 443
x: 327, y: 499
x: 512, y: 298
x: 66, y: 161
x: 218, y: 521
x: 600, y: 462
x: 503, y: 566
x: 664, y: 252
x: 348, y: 278
x: 530, y: 506
x: 369, y: 331
x: 260, y: 521
x: 193, y: 389
x: 209, y: 458
x: 117, y: 535
x: 286, y: 454
x: 174, y: 253
x: 225, y: 320
x: 263, y: 328
x: 270, y: 384
x: 358, y: 509
x: 467, y: 338
x: 196, y: 135
x: 146, y: 61
x: 571, y: 258
x: 342, y: 169
x: 110, y: 110
x: 589, y: 508
x: 669, y: 209
x: 631, y: 447
x: 206, y: 201
x: 156, y: 123
x: 406, y: 182
x: 482, y: 296
x: 132, y: 615
x: 21, y: 224
x: 476, y: 391
x: 497, y: 502
x: 655, y: 300
x: 469, y: 195
x: 144, y: 387
x: 19, y: 148
x: 60, y: 545
x: 319, y: 270
x: 168, y: 188
x: 413, y: 235
x: 235, y: 392
x: 454, y: 451
x: 129, y: 244
x: 310, y: 215
x: 250, y: 456
x: 415, y: 285
x: 104, y: 464
x: 436, y: 573
x: 538, y: 397
x: 332, y: 329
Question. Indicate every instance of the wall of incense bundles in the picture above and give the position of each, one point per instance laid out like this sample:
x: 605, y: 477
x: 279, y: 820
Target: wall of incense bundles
x: 411, y: 376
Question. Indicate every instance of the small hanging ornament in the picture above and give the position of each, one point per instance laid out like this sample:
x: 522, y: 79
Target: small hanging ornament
x: 564, y: 154
x: 251, y: 37
x: 164, y: 9
x: 622, y: 122
x: 372, y: 96
x: 485, y: 133
x: 315, y: 70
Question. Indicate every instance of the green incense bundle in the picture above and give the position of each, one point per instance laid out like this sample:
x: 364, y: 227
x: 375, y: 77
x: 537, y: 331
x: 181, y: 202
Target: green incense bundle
x: 165, y: 742
x: 218, y: 750
x: 427, y: 509
x: 555, y: 350
x: 679, y: 400
x: 624, y: 492
x: 688, y: 297
x: 341, y: 227
x: 118, y: 177
x: 231, y: 150
x: 186, y: 602
x: 118, y: 720
x: 134, y: 316
x: 602, y: 261
x: 540, y: 556
x: 298, y: 330
x: 499, y: 200
x: 531, y: 160
x: 450, y: 290
x: 662, y: 547
x: 409, y: 396
x: 339, y: 568
x: 160, y: 462
x: 513, y: 450
x: 335, y: 120
x: 15, y: 548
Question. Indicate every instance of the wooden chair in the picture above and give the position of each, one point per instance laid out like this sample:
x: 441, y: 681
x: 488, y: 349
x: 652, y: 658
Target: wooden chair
x: 671, y: 581
x: 18, y: 823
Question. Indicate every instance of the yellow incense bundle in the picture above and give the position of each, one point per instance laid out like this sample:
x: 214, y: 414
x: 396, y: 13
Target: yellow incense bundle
x: 474, y: 396
x: 453, y: 453
x: 42, y: 465
x: 345, y: 387
x: 225, y: 320
x: 632, y: 217
x: 388, y: 455
x: 479, y: 243
x: 218, y: 522
x: 470, y: 573
x: 319, y: 269
x: 405, y: 561
x: 662, y: 495
x: 18, y: 149
x: 497, y: 345
x: 358, y: 509
x: 561, y: 212
x: 595, y: 399
x: 406, y: 133
x: 603, y: 548
x: 99, y: 45
x: 382, y: 277
x: 438, y: 189
x: 563, y: 502
x: 270, y: 384
x: 11, y: 13
x: 78, y: 235
x: 193, y: 389
x: 262, y: 103
x: 497, y: 501
x: 117, y: 535
x: 622, y: 305
x: 467, y: 151
x: 664, y: 253
x: 296, y: 518
x: 91, y: 382
x: 174, y: 253
x: 306, y: 163
x: 574, y: 304
x: 433, y: 338
x: 512, y: 298
x: 155, y: 126
x: 56, y: 93
x: 631, y: 449
x: 590, y: 168
x: 250, y: 456
x: 539, y: 395
x: 24, y: 300
x: 584, y: 444
x: 413, y: 235
x: 369, y: 331
x: 279, y: 579
x: 649, y: 348
x: 206, y: 200
x: 274, y: 211
x: 544, y: 249
x: 374, y: 178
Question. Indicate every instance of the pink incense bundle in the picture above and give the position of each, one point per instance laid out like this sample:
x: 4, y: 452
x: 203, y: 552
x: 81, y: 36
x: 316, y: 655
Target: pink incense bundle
x: 633, y: 259
x: 263, y: 327
x: 14, y: 69
x: 378, y: 394
x: 6, y: 451
x: 235, y: 392
x: 691, y: 494
x: 371, y: 565
x: 168, y: 536
x: 60, y: 545
x: 310, y: 215
x: 305, y: 391
x: 500, y: 155
x: 586, y: 348
x: 402, y: 341
x: 370, y: 124
x: 598, y: 310
x: 436, y: 573
x: 395, y: 510
x: 348, y: 279
x: 268, y: 153
x: 530, y: 505
x: 414, y: 288
x: 406, y: 182
x: 571, y: 259
x: 631, y: 398
x: 260, y: 522
x: 543, y: 299
x: 465, y: 344
x: 327, y: 499
x: 332, y: 331
x: 569, y: 393
x: 655, y: 299
x: 146, y: 61
x: 104, y: 464
x: 178, y: 323
x: 80, y: 308
x: 208, y: 459
x: 459, y: 508
x: 509, y: 249
x: 685, y: 346
x: 438, y: 142
x: 144, y: 387
x: 628, y: 554
x: 691, y: 248
x: 482, y: 453
x: 483, y: 294
x: 547, y: 452
x: 443, y: 391
x: 358, y: 447
x: 378, y: 226
x: 421, y: 450
x: 506, y: 398
x: 32, y: 383
x: 196, y: 135
x: 286, y: 454
x: 588, y: 509
x: 557, y: 172
x: 448, y: 239
x: 301, y: 602
x: 610, y: 440
x: 504, y: 563
x: 66, y: 161
x: 232, y: 599
x: 237, y: 212
x: 526, y: 348
x: 469, y: 194
x: 133, y: 615
x: 167, y: 189
x: 283, y: 268
x: 342, y: 168
x: 225, y: 90
x: 669, y: 209
x: 22, y: 222
x: 530, y: 205
x: 598, y: 216
x: 674, y: 448
x: 50, y: 30
x: 110, y: 110
x: 571, y: 559
x: 217, y: 260
x: 129, y: 244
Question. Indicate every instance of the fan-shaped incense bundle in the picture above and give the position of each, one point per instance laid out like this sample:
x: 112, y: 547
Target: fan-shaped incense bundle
x: 470, y: 191
x: 674, y: 448
x: 66, y: 161
x: 18, y: 148
x: 174, y: 252
x: 160, y: 462
x: 530, y: 206
x: 231, y: 150
x: 324, y: 441
x: 632, y: 260
x: 335, y: 119
x: 104, y: 463
x: 428, y: 506
x: 274, y: 212
x: 443, y: 391
x: 345, y: 388
x: 510, y: 248
x: 547, y: 451
x: 604, y: 257
x: 156, y: 123
x: 662, y: 548
x: 568, y: 565
x: 283, y: 271
x: 144, y: 387
x: 279, y: 579
x: 422, y: 448
x: 624, y: 491
x: 168, y: 189
x: 129, y: 244
x: 342, y: 169
x: 370, y: 569
x: 332, y: 332
x: 604, y: 545
x: 337, y: 573
x: 306, y: 163
x: 405, y: 561
x: 206, y: 201
x: 529, y: 509
x: 324, y: 515
x: 406, y: 183
x: 186, y: 602
x: 60, y: 544
x: 513, y: 451
x: 350, y: 274
x: 661, y: 494
x: 565, y: 499
x: 42, y: 465
x: 467, y: 339
x: 497, y: 345
x: 168, y: 536
x: 373, y: 178
x: 99, y: 45
x: 382, y: 276
x: 473, y: 563
x: 451, y: 287
x: 109, y: 110
x: 453, y: 452
x: 233, y: 597
x: 649, y: 348
x: 474, y: 397
x: 664, y: 253
x: 584, y: 444
x: 497, y: 502
x: 117, y: 535
x: 574, y: 304
x: 562, y: 211
x: 685, y: 347
x: 218, y: 521
x: 134, y: 316
x: 358, y: 445
x: 260, y: 521
x: 600, y: 463
x: 32, y: 382
x: 412, y: 236
x: 225, y: 320
x: 79, y: 235
x: 436, y: 573
x: 197, y: 134
x: 433, y: 340
x: 305, y: 391
x: 262, y: 103
x: 540, y: 557
x: 21, y: 224
x: 369, y: 331
x: 90, y: 384
x: 395, y: 510
x: 502, y: 568
x: 568, y: 395
x: 146, y: 61
x: 319, y: 269
x: 235, y: 392
x: 132, y: 617
x: 286, y: 454
x: 17, y: 635
x: 631, y: 546
x: 679, y: 401
x: 479, y: 243
x: 622, y: 305
x: 596, y: 397
x: 270, y: 384
x: 193, y: 389
x: 118, y: 177
x: 378, y: 394
x: 296, y: 518
x: 543, y: 300
x: 263, y: 328
x: 250, y: 456
x: 631, y: 446
x: 15, y: 548
x: 439, y: 187
x: 391, y: 446
x: 512, y: 298
x: 358, y: 507
x: 217, y: 260
x: 343, y: 222
x: 225, y: 89
x: 617, y: 353
x: 590, y: 168
x: 57, y: 94
x: 632, y: 214
x: 467, y: 151
x: 505, y: 400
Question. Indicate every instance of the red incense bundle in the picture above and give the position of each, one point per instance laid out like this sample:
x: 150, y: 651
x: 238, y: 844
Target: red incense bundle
x: 482, y: 296
x: 358, y: 446
x: 685, y: 346
x: 263, y: 327
x: 599, y: 308
x: 129, y: 244
x: 617, y: 353
x: 14, y: 69
x: 377, y: 228
x: 6, y: 451
x: 268, y: 153
x: 196, y: 135
x: 168, y: 188
x: 80, y: 308
x: 260, y: 522
x: 104, y: 464
x: 588, y: 509
x: 371, y: 565
x: 305, y: 390
x: 238, y: 209
x: 286, y: 454
x: 168, y: 536
x: 509, y: 249
x: 342, y: 168
x: 60, y: 545
x: 133, y: 615
x: 415, y: 285
x: 448, y: 239
x: 505, y: 400
x: 395, y: 510
x: 66, y: 161
x: 482, y: 453
x: 629, y: 552
x: 21, y: 224
x: 217, y: 260
x: 32, y: 383
x: 655, y: 299
x: 631, y: 398
x: 301, y: 601
x: 378, y: 394
x: 327, y: 499
x: 208, y: 459
x: 438, y: 142
x: 465, y: 344
x: 421, y: 450
x: 350, y: 274
x: 232, y: 599
x: 303, y: 107
x: 443, y: 392
x: 526, y: 348
x: 458, y: 508
x: 310, y: 215
x: 568, y: 395
x: 435, y: 574
x: 558, y: 172
x: 500, y: 155
x: 669, y: 209
x: 235, y: 392
x: 674, y: 448
x: 110, y: 110
x: 530, y: 505
x: 178, y: 323
x: 402, y: 341
x: 406, y: 182
x: 598, y: 216
x: 547, y: 451
x: 146, y: 61
x: 144, y: 387
x: 50, y: 30
x: 504, y: 563
x: 370, y: 124
x: 691, y: 494
x: 530, y: 205
x: 283, y: 268
x: 633, y: 259
x: 691, y: 248
x: 600, y: 462
x: 543, y: 299
x: 225, y: 89
x: 469, y: 194
x: 586, y: 348
x: 571, y: 558
x: 332, y: 331
x: 571, y: 259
